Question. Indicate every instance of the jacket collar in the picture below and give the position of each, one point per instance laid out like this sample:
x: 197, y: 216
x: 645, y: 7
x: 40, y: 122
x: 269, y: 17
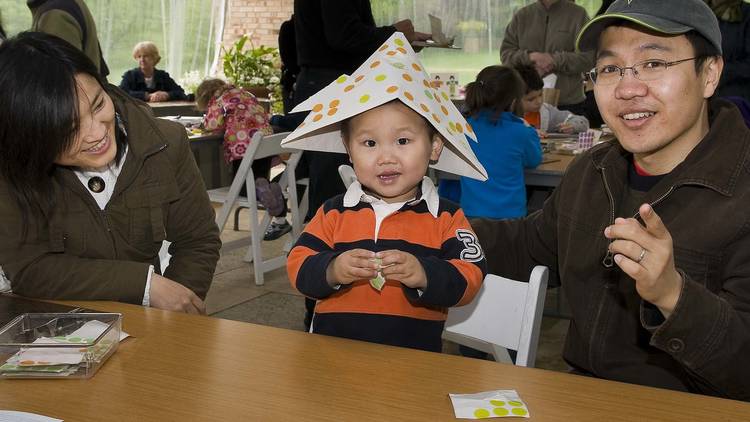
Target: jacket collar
x: 716, y: 162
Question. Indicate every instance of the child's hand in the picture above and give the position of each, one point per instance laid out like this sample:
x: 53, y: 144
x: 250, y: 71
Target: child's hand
x: 565, y: 128
x: 404, y: 267
x: 350, y: 266
x: 542, y: 134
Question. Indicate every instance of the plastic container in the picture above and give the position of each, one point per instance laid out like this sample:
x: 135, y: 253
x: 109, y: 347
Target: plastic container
x: 58, y: 345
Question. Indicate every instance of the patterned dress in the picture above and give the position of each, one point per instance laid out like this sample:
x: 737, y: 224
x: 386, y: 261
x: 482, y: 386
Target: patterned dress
x: 239, y: 114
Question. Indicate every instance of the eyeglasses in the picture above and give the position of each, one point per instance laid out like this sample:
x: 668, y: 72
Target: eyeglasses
x: 649, y: 70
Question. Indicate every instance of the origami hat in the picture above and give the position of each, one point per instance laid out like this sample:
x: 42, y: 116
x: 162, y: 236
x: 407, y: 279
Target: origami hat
x: 392, y: 72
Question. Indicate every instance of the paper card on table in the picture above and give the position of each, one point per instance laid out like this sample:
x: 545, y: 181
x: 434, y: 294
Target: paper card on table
x: 393, y: 72
x: 445, y: 82
x: 11, y: 415
x: 489, y: 404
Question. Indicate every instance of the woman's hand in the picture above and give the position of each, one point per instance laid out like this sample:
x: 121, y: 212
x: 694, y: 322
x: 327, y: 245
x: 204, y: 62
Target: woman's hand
x: 172, y: 296
x: 158, y: 96
x: 404, y: 267
x: 350, y: 266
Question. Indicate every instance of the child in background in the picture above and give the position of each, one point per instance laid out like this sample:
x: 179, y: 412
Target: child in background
x: 388, y: 258
x: 238, y: 113
x: 545, y: 117
x: 507, y: 145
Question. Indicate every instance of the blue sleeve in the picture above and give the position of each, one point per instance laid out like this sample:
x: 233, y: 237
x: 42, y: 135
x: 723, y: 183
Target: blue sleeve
x: 532, y: 154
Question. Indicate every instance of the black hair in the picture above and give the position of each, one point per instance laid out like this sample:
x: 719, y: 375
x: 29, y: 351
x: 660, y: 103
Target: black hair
x: 345, y: 125
x: 498, y: 89
x: 530, y: 77
x: 40, y: 116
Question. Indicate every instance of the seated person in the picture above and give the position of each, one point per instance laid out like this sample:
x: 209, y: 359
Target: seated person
x: 507, y: 145
x: 92, y: 184
x: 545, y: 117
x: 388, y: 258
x: 148, y: 83
x: 237, y: 112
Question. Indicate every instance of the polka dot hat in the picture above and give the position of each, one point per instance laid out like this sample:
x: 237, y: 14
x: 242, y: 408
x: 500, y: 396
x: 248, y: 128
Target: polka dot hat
x: 392, y: 72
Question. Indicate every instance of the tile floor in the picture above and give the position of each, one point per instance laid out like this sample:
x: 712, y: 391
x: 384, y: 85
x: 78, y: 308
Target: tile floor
x: 234, y: 295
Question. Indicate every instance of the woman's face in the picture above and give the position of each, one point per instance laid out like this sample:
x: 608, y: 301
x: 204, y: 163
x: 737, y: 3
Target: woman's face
x: 146, y: 62
x: 94, y: 145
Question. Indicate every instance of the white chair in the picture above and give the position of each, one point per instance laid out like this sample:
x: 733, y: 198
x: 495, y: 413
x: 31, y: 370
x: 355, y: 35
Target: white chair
x: 505, y: 314
x: 260, y: 147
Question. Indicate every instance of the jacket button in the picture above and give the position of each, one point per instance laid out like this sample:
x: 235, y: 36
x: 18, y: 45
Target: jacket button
x: 675, y: 345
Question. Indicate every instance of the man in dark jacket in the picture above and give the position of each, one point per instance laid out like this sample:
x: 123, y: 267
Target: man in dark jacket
x: 648, y: 234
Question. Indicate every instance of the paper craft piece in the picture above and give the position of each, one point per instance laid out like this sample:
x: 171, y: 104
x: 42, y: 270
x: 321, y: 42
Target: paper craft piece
x: 11, y: 415
x: 379, y: 281
x: 393, y: 72
x: 445, y: 82
x: 436, y: 28
x: 550, y: 80
x: 489, y: 404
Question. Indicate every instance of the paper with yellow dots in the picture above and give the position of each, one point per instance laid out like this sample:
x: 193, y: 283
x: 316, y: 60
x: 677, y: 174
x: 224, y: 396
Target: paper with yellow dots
x: 392, y: 72
x: 489, y: 404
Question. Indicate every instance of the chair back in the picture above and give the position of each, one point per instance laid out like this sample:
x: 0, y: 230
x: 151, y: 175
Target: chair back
x: 505, y: 314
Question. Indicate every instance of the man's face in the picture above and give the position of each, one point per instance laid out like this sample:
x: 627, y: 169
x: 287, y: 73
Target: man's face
x: 662, y: 120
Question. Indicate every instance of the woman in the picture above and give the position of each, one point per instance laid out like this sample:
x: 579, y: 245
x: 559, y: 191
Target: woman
x: 148, y: 83
x: 92, y: 185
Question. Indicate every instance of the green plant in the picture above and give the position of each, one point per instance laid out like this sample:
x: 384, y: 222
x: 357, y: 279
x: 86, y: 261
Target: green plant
x: 252, y: 67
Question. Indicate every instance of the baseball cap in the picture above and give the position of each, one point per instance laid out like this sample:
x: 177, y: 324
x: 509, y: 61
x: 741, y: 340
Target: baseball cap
x: 671, y: 17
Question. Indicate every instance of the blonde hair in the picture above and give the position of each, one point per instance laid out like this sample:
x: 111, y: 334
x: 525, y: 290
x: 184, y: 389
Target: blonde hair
x: 147, y: 48
x: 207, y: 90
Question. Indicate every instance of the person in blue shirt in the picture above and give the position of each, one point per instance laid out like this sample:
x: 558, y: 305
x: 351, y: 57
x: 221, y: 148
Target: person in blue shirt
x: 507, y: 145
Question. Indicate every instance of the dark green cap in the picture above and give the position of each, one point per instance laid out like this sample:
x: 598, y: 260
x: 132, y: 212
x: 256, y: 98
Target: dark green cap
x: 671, y: 17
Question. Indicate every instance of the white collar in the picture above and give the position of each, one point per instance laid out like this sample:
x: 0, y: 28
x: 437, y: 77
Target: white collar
x: 355, y: 194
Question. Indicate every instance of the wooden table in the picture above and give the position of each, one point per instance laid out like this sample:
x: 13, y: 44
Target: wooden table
x: 550, y: 172
x: 185, y: 367
x: 175, y: 108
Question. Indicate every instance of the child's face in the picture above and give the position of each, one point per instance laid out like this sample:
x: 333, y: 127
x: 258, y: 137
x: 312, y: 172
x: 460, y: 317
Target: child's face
x: 532, y: 101
x: 390, y: 148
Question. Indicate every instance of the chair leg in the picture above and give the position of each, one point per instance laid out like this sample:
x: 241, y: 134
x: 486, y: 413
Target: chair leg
x: 237, y: 218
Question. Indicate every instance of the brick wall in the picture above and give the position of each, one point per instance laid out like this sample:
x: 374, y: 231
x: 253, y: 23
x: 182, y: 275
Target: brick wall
x: 261, y: 17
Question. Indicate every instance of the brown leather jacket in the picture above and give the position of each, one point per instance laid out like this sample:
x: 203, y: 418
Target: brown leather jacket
x: 83, y: 252
x: 703, y: 346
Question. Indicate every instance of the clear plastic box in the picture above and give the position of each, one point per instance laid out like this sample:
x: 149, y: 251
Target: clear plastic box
x: 58, y: 345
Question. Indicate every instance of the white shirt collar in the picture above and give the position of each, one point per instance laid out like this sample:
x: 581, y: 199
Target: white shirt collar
x: 355, y: 194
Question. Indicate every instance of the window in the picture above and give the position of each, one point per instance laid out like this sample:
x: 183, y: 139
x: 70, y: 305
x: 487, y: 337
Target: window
x: 185, y: 31
x: 478, y: 25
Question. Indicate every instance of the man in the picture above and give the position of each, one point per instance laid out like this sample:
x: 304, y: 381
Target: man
x: 648, y: 234
x: 70, y: 20
x: 543, y: 34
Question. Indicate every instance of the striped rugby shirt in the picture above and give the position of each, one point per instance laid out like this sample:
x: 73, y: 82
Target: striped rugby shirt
x: 432, y: 229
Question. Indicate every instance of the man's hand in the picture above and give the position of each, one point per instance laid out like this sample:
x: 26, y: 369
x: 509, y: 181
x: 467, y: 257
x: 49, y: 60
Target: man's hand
x: 407, y: 28
x: 404, y: 267
x: 543, y: 62
x: 172, y: 296
x: 646, y: 254
x: 350, y: 266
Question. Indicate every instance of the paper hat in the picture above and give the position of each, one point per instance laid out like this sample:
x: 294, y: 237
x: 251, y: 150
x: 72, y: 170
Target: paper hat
x: 392, y: 72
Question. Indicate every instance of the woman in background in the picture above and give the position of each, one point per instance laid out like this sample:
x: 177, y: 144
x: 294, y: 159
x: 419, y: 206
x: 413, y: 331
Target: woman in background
x: 92, y: 184
x: 148, y: 83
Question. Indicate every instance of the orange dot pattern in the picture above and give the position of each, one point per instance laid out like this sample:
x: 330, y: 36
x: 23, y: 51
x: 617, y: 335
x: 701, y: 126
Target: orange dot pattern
x: 375, y: 64
x: 334, y: 104
x: 391, y: 89
x: 408, y: 95
x: 317, y: 107
x: 407, y: 77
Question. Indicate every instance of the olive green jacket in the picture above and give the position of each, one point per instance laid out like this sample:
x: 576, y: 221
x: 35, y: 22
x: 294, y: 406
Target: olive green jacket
x: 535, y: 28
x: 58, y: 20
x: 83, y: 252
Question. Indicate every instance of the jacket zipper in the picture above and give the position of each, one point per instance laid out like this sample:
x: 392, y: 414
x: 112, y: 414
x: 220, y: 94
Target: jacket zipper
x: 609, y: 260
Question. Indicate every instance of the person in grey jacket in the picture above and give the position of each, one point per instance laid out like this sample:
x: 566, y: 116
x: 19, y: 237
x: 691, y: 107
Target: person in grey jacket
x: 648, y: 234
x: 93, y: 184
x: 542, y: 34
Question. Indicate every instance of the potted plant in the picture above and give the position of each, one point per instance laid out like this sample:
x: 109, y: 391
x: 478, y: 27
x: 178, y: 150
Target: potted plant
x: 256, y: 69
